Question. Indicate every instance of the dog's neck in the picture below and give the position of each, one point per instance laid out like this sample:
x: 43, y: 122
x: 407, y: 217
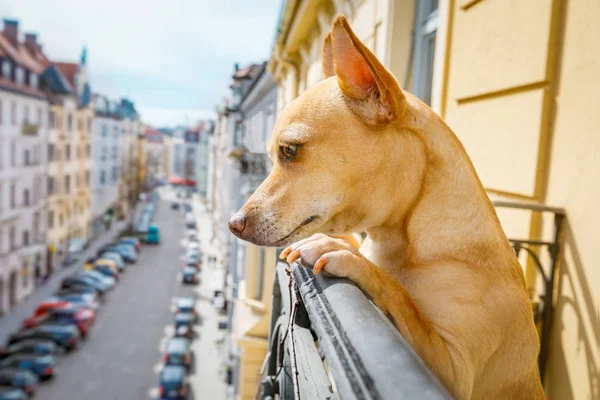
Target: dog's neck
x: 449, y: 218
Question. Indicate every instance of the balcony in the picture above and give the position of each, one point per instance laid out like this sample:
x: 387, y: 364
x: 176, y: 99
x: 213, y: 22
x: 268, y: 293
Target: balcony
x: 321, y: 324
x: 29, y: 129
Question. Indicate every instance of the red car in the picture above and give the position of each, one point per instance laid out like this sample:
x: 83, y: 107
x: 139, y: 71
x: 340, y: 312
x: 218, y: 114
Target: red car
x: 50, y: 304
x: 82, y: 317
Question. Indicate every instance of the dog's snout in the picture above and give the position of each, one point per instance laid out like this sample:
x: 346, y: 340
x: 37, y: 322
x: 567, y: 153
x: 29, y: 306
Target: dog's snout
x: 237, y: 223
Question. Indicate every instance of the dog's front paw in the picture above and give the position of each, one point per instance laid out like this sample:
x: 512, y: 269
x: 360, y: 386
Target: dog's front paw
x: 336, y: 257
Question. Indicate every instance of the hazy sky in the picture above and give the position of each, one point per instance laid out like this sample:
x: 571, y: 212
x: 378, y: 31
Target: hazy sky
x: 173, y: 58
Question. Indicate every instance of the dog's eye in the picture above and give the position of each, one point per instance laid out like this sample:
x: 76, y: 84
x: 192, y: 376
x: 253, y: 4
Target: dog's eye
x: 288, y: 152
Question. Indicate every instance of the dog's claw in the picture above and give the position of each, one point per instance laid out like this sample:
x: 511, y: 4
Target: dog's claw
x: 293, y: 256
x: 319, y: 266
x: 286, y: 252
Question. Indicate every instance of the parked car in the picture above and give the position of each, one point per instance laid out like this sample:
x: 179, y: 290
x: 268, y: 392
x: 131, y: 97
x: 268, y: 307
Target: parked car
x: 80, y: 289
x: 135, y: 241
x: 36, y: 346
x: 153, y: 235
x: 191, y: 235
x: 19, y: 378
x: 101, y: 278
x: 184, y: 319
x: 107, y: 268
x: 89, y: 263
x: 66, y: 336
x: 83, y: 318
x: 40, y: 364
x: 187, y: 207
x: 116, y: 257
x: 219, y: 301
x: 49, y: 304
x: 178, y: 352
x: 175, y: 205
x: 127, y: 252
x: 185, y: 331
x: 75, y: 280
x: 12, y: 393
x: 186, y: 305
x: 189, y: 275
x: 191, y: 260
x: 190, y: 221
x: 87, y: 300
x: 173, y: 383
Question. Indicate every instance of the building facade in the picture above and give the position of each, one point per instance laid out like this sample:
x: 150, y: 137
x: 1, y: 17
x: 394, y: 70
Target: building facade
x: 155, y: 156
x: 106, y: 163
x: 128, y: 187
x: 69, y: 158
x: 523, y: 107
x: 23, y: 141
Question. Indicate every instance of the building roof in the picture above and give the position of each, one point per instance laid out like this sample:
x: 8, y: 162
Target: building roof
x: 34, y: 61
x: 247, y: 72
x: 69, y: 71
x: 25, y: 90
x: 57, y: 82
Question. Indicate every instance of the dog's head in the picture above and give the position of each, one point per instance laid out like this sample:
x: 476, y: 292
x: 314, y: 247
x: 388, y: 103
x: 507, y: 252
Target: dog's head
x: 332, y: 170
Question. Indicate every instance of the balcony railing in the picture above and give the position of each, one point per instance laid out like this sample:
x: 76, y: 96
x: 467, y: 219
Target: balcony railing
x: 29, y: 129
x: 328, y: 341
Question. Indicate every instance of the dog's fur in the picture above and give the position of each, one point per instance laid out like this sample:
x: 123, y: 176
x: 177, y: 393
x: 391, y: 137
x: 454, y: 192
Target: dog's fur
x: 356, y: 153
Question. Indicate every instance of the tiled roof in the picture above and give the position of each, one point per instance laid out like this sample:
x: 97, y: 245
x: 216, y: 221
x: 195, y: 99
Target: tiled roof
x: 69, y: 70
x: 21, y: 55
x: 247, y: 72
x: 26, y: 90
x: 56, y: 80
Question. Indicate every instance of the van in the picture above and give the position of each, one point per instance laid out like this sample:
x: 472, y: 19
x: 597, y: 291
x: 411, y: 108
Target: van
x: 153, y: 235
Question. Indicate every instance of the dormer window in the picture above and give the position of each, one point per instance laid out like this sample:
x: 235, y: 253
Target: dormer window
x: 6, y: 69
x: 33, y: 80
x: 19, y: 76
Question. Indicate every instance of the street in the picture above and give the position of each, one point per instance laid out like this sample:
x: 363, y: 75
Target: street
x: 122, y: 357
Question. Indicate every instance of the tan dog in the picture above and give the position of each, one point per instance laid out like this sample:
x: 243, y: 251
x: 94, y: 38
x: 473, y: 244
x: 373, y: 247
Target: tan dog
x: 356, y: 153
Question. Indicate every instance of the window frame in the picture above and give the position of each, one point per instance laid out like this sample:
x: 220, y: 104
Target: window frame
x: 427, y: 23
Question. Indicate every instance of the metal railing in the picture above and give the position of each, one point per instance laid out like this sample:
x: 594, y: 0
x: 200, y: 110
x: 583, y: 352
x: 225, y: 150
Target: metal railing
x: 328, y: 341
x: 545, y: 309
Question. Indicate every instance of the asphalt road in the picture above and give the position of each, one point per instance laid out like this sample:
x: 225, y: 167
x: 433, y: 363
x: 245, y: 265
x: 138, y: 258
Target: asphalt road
x: 121, y: 358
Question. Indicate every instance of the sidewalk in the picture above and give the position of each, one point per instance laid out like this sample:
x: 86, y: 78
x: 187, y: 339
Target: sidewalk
x: 11, y: 321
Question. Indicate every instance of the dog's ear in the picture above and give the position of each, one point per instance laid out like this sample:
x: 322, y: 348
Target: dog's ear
x: 375, y: 93
x: 327, y: 57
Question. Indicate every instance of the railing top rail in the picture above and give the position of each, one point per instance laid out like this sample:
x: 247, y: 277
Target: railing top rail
x: 528, y: 206
x: 367, y: 356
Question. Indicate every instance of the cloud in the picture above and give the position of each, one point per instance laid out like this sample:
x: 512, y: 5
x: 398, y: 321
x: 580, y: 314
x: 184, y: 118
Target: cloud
x: 175, y: 54
x: 164, y: 117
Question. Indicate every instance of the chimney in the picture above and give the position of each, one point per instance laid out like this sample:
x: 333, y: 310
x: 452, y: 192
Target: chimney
x: 237, y: 67
x: 31, y: 42
x: 11, y: 30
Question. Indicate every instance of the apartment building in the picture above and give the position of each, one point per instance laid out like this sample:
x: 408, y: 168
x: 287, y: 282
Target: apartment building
x: 69, y: 157
x: 106, y: 162
x: 128, y: 187
x: 23, y: 141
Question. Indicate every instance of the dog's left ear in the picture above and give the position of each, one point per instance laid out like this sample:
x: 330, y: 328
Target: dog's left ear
x: 375, y: 93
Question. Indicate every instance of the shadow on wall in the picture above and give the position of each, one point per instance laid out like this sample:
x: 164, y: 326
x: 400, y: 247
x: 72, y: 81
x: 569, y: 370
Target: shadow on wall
x: 575, y: 307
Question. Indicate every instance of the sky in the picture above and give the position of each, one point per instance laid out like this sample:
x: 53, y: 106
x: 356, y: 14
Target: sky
x: 173, y: 58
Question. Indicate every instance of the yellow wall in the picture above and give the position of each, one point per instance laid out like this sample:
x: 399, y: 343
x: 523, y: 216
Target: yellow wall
x: 522, y: 94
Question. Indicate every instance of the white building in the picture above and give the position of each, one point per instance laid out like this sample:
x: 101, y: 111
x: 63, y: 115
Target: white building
x: 23, y: 137
x: 155, y: 156
x: 131, y: 129
x: 106, y: 162
x: 206, y: 130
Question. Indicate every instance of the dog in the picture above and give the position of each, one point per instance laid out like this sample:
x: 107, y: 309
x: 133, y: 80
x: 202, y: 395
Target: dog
x: 356, y: 153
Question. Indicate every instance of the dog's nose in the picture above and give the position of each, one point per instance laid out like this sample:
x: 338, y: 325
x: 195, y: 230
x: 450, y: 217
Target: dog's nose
x: 237, y: 223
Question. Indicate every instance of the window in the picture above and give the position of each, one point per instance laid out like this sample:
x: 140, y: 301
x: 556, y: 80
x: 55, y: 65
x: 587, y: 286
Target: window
x: 25, y: 238
x: 26, y: 197
x: 87, y: 177
x: 80, y: 124
x: 115, y: 173
x: 51, y: 152
x: 26, y: 114
x: 13, y: 153
x: 52, y: 119
x: 12, y: 236
x: 259, y: 274
x: 13, y: 113
x: 36, y: 226
x: 88, y: 150
x: 50, y: 219
x: 39, y: 116
x: 426, y: 25
x: 25, y: 274
x: 70, y: 123
x: 104, y: 130
x: 102, y: 177
x: 6, y: 68
x: 19, y: 75
x: 60, y: 219
x: 26, y: 159
x: 33, y: 80
x: 89, y: 124
x: 13, y: 194
x: 67, y: 184
x: 68, y: 152
x: 238, y: 134
x: 1, y: 112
